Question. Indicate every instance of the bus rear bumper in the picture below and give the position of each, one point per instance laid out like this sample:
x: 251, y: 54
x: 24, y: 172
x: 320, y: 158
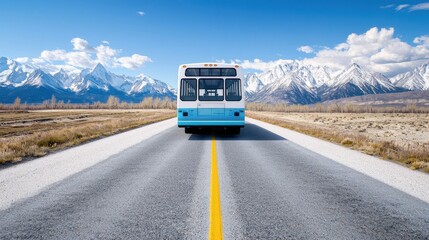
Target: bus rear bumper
x: 211, y: 123
x: 211, y: 117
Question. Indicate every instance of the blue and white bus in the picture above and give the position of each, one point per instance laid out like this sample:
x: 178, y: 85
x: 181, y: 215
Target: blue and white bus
x: 210, y: 95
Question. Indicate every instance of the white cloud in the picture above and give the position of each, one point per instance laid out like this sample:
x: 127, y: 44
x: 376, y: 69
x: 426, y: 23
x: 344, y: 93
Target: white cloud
x: 80, y: 44
x: 388, y: 6
x: 54, y: 55
x: 77, y: 59
x: 258, y: 64
x: 416, y: 7
x: 423, y: 40
x: 401, y: 6
x: 305, y: 49
x: 105, y: 42
x: 377, y: 50
x: 421, y: 6
x: 141, y: 13
x: 22, y: 59
x: 105, y: 54
x: 133, y: 62
x: 83, y: 55
x: 80, y: 59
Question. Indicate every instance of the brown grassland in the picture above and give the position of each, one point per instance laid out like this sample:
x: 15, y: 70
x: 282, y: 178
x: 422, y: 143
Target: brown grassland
x: 401, y: 137
x: 34, y: 133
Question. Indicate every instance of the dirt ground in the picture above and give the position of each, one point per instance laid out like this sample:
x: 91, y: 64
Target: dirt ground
x: 401, y: 137
x: 400, y: 128
x: 18, y: 123
x: 35, y: 133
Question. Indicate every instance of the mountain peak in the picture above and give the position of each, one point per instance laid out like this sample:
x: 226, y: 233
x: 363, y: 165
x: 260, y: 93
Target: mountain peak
x: 6, y: 63
x: 61, y: 72
x: 99, y: 68
x: 354, y: 66
x: 353, y: 69
x: 37, y: 72
x: 39, y: 78
x: 142, y: 76
x: 99, y: 71
x: 417, y: 79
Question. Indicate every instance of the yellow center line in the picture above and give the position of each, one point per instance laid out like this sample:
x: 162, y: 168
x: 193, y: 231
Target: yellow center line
x: 215, y: 229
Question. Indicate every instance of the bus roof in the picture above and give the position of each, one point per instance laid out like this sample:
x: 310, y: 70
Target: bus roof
x: 210, y: 64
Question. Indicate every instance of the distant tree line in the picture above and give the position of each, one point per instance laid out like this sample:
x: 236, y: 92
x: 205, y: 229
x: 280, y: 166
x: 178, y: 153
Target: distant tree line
x: 157, y: 103
x: 335, y: 108
x: 111, y: 103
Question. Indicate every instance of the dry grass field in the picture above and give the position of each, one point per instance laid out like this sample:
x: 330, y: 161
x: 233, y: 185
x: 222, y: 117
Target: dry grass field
x: 27, y: 134
x: 402, y: 137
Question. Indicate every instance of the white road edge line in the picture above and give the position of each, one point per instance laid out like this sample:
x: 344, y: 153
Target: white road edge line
x: 412, y: 182
x: 28, y: 179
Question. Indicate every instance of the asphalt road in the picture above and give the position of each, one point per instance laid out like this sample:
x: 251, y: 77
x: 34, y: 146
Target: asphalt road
x: 270, y: 188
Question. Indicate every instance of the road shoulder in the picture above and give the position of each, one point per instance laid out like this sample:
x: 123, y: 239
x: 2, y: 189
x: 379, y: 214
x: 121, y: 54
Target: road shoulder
x: 28, y: 179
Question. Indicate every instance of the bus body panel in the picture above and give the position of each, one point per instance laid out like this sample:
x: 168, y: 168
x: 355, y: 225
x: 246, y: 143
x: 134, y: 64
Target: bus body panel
x: 210, y: 113
x: 210, y: 117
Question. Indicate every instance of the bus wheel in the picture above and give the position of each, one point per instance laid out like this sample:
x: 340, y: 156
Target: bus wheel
x: 189, y: 130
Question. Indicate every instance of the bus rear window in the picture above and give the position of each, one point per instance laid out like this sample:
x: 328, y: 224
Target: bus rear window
x: 229, y: 72
x: 209, y: 72
x: 188, y: 90
x: 232, y: 90
x: 191, y: 72
x: 210, y: 89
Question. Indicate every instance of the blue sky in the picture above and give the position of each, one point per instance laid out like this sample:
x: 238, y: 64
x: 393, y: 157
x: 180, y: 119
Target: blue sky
x: 169, y: 33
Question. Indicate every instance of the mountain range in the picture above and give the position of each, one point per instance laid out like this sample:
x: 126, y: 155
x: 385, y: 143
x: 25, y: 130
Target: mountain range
x: 295, y: 83
x: 409, y: 99
x: 292, y: 83
x: 34, y: 85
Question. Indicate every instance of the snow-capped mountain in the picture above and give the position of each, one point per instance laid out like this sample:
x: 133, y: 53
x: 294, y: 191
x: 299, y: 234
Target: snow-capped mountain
x: 417, y: 79
x: 354, y: 81
x: 97, y: 84
x: 311, y: 76
x: 252, y: 84
x: 149, y: 86
x: 295, y: 83
x: 38, y: 78
x: 96, y: 79
x: 63, y: 77
x: 100, y: 79
x: 286, y: 89
x: 289, y: 83
x: 12, y: 73
x: 322, y: 75
x: 278, y: 72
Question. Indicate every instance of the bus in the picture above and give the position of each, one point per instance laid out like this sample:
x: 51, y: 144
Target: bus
x: 210, y: 95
